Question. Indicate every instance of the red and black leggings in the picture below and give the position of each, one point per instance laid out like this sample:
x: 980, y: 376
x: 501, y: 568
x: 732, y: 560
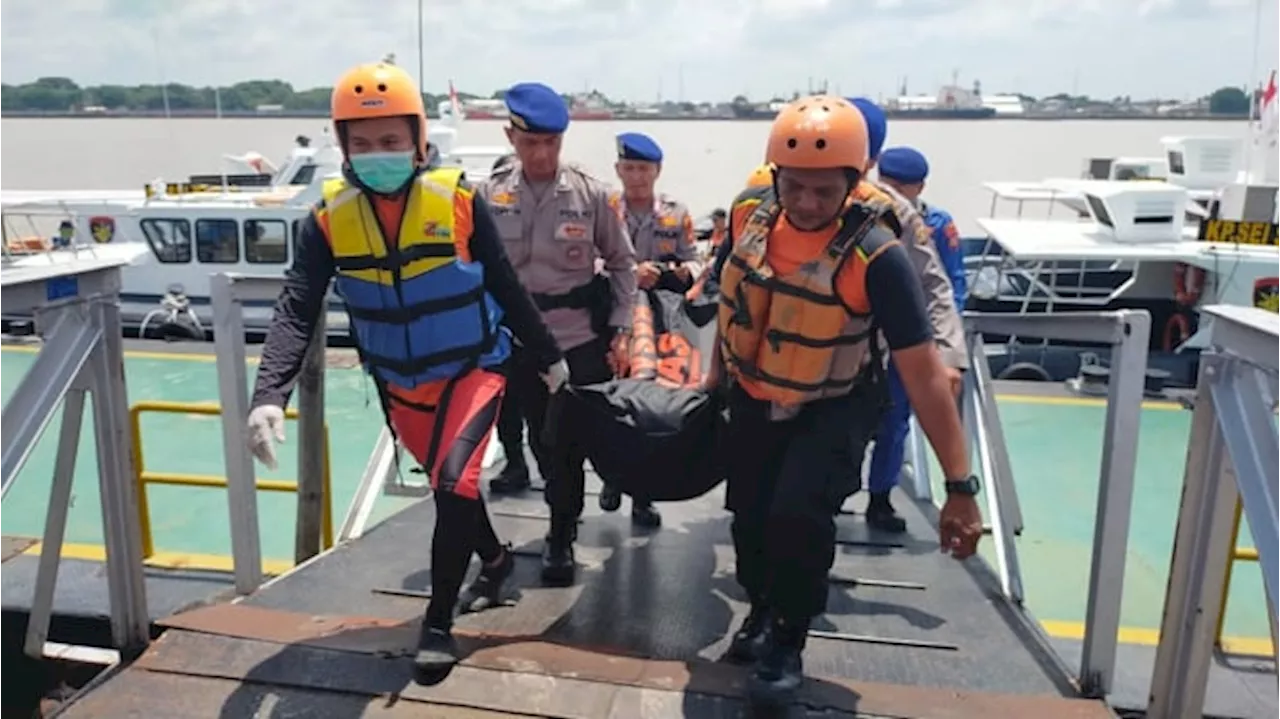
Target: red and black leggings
x: 462, y: 520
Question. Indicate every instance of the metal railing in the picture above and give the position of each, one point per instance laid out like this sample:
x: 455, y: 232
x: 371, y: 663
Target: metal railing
x: 1128, y: 332
x: 228, y: 293
x: 1232, y: 456
x: 1237, y: 554
x: 75, y: 303
x: 143, y: 477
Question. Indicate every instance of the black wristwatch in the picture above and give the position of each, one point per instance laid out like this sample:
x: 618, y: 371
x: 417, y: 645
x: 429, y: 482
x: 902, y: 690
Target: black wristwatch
x: 967, y: 487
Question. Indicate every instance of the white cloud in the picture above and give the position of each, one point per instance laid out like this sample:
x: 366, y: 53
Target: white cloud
x: 712, y: 49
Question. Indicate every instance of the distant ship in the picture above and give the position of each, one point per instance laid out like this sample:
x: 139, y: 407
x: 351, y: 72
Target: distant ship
x: 941, y: 113
x: 582, y: 107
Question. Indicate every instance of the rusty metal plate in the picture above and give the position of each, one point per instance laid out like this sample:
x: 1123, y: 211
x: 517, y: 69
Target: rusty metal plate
x: 546, y: 679
x: 148, y: 695
x: 11, y: 547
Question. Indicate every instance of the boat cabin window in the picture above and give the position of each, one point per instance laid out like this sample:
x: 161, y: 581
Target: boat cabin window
x: 1176, y: 164
x: 170, y: 240
x: 266, y: 242
x: 304, y: 175
x: 218, y: 241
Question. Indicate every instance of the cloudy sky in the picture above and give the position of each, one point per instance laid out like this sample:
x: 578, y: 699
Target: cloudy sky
x: 640, y: 49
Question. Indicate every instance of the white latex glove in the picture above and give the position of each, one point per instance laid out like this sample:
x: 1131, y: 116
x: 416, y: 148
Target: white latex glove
x: 266, y: 427
x: 556, y: 377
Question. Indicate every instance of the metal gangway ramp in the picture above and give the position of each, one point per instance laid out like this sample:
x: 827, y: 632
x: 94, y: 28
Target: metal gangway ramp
x: 909, y: 632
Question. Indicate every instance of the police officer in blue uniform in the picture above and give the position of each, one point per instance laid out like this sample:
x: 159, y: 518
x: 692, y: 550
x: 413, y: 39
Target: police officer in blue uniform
x: 905, y: 169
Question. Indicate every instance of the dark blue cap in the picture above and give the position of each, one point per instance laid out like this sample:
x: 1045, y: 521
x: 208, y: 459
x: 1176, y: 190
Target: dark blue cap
x: 904, y: 164
x: 638, y: 146
x: 877, y: 124
x: 534, y: 107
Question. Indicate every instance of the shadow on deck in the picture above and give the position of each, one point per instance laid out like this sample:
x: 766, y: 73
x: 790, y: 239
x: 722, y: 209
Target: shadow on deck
x: 908, y: 633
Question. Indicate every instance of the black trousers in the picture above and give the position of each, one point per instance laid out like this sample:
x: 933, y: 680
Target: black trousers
x: 786, y: 482
x: 563, y: 473
x: 511, y: 425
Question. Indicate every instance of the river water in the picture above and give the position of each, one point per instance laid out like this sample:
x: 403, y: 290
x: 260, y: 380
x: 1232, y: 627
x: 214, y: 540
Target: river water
x: 705, y: 166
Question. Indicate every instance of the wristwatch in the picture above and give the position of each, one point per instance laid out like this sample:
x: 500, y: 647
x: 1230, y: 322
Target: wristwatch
x: 967, y: 487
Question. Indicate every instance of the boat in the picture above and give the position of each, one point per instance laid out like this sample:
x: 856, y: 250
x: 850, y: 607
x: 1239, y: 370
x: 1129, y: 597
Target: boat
x: 1168, y: 234
x: 243, y: 220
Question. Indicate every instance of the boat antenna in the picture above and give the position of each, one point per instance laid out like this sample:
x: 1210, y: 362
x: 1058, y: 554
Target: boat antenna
x: 217, y: 111
x: 421, y: 82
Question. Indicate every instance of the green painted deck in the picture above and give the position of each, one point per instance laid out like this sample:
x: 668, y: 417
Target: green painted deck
x: 1055, y: 448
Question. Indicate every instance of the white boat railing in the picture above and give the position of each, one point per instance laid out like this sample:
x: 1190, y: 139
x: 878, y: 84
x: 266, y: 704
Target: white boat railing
x: 77, y: 311
x: 1128, y: 332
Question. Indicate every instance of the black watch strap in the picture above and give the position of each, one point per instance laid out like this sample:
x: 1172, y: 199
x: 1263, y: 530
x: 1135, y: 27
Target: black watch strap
x: 967, y: 487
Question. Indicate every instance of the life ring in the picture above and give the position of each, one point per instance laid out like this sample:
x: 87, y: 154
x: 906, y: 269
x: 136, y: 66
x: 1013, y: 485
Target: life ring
x: 1177, y: 329
x: 1188, y: 283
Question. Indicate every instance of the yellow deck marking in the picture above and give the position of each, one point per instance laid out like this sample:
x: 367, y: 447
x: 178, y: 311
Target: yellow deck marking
x: 138, y: 354
x: 1256, y: 646
x: 164, y: 560
x: 1162, y: 405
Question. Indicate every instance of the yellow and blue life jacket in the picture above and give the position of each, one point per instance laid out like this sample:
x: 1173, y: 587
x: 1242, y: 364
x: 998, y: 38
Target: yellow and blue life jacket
x: 418, y: 310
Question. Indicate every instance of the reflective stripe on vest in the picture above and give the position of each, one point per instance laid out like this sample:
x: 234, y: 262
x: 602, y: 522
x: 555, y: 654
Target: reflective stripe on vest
x: 790, y: 339
x: 418, y: 311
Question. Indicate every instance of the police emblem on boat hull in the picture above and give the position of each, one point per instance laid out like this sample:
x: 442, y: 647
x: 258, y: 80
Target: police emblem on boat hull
x: 102, y: 228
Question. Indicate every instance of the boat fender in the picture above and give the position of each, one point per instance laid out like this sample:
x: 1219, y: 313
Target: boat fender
x: 1025, y: 371
x: 1177, y: 329
x: 1188, y: 283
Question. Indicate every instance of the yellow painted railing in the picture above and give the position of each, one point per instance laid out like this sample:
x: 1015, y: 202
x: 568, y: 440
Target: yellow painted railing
x: 1238, y: 554
x: 142, y: 477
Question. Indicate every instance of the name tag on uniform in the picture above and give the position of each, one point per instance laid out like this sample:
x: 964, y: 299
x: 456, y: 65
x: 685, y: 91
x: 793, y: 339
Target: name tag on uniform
x: 570, y: 213
x: 572, y: 231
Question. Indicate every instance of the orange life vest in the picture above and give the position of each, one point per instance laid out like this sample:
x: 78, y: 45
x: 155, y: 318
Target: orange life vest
x: 791, y: 339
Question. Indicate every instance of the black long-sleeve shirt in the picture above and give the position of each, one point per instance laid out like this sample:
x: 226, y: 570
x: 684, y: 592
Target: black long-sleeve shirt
x: 307, y: 282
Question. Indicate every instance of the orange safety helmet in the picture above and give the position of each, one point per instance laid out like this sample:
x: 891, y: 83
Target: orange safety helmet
x: 378, y: 90
x: 762, y: 176
x: 817, y: 133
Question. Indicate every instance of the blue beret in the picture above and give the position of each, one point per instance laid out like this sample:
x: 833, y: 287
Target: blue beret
x: 638, y: 146
x: 904, y: 164
x: 534, y: 107
x: 877, y: 124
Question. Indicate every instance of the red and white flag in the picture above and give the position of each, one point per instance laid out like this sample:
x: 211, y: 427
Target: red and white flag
x: 454, y: 104
x: 1268, y: 117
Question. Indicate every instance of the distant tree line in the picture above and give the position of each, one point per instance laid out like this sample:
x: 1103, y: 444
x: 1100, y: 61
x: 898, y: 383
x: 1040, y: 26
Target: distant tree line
x: 60, y: 94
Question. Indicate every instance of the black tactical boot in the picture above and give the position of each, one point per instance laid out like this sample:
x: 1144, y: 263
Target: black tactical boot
x: 881, y: 515
x: 752, y: 637
x: 643, y: 514
x: 778, y: 676
x: 610, y: 499
x: 557, y: 555
x: 514, y: 476
x: 437, y: 653
x: 489, y: 587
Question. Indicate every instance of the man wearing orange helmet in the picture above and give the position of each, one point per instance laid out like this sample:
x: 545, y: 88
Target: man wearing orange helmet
x: 814, y: 278
x: 430, y: 296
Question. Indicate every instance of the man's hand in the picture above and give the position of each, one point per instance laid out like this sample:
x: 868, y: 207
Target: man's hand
x: 620, y: 354
x: 955, y: 378
x: 960, y: 526
x: 265, y: 429
x: 647, y: 274
x: 556, y: 376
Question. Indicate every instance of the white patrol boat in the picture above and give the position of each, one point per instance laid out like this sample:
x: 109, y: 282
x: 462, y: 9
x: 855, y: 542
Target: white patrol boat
x: 178, y: 234
x: 1168, y: 235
